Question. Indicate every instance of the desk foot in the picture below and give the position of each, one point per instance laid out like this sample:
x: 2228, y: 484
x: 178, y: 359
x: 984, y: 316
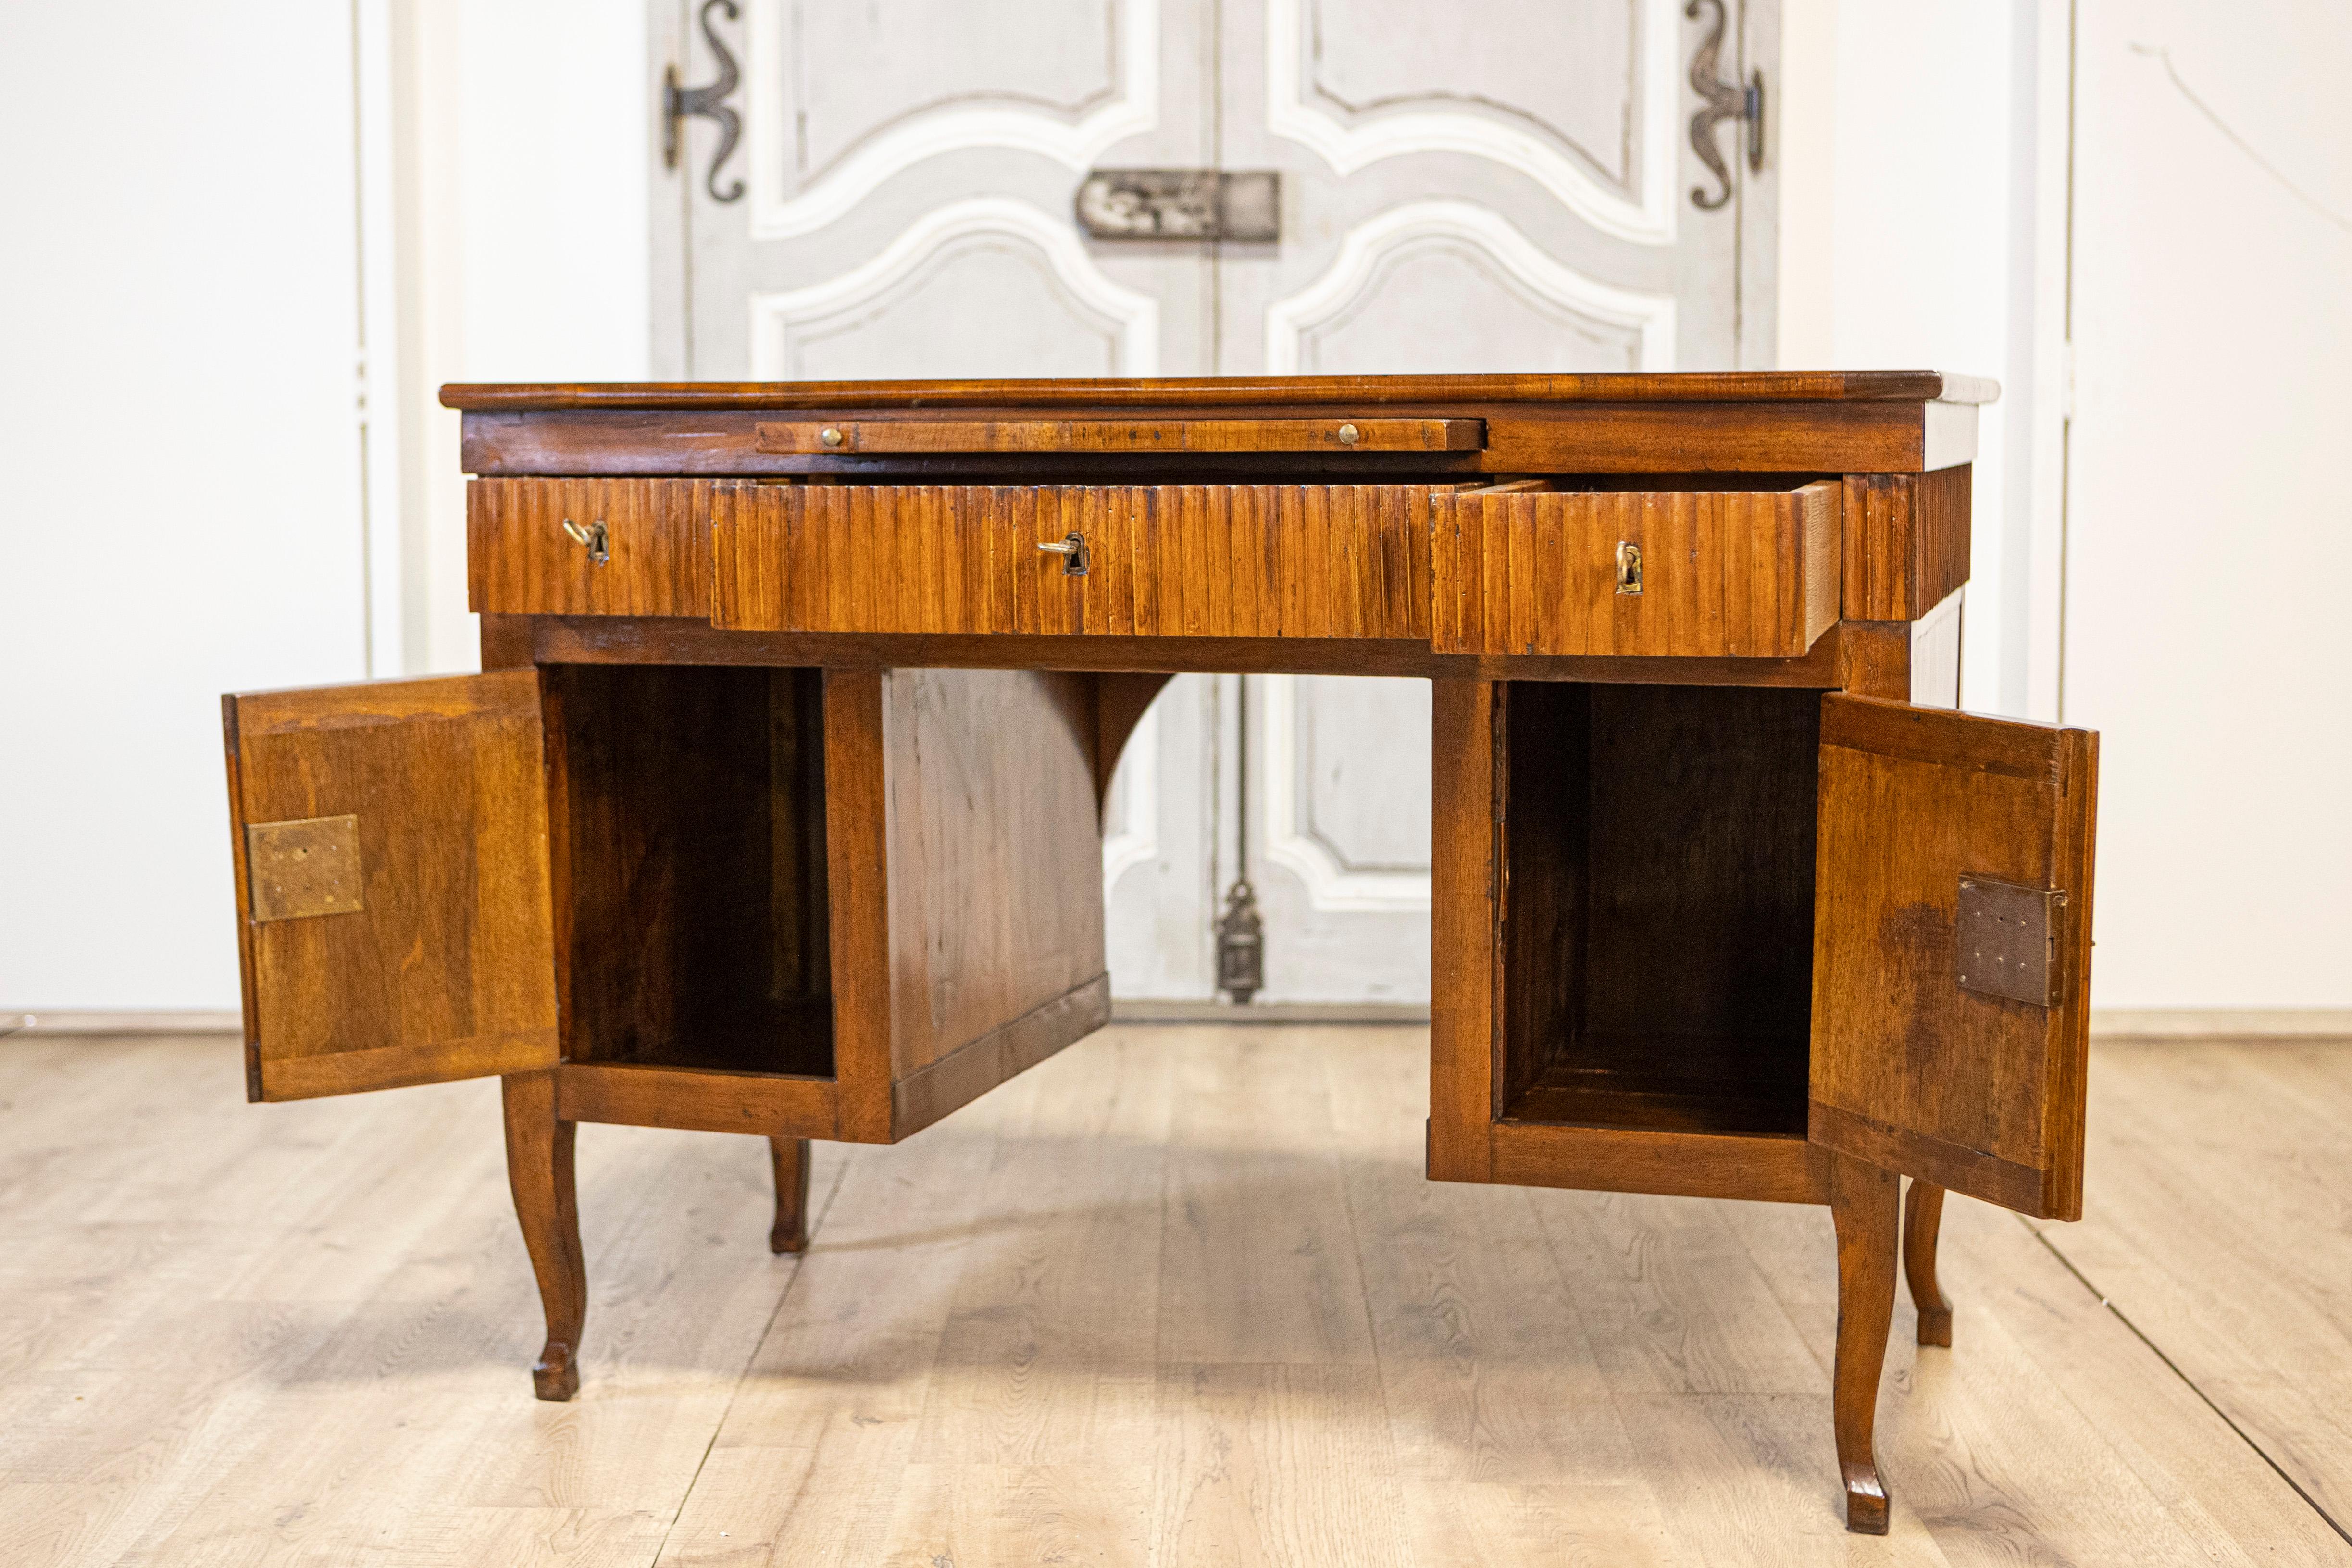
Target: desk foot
x: 1923, y: 1216
x: 555, y: 1377
x: 790, y: 1233
x: 1864, y: 1207
x: 547, y: 1206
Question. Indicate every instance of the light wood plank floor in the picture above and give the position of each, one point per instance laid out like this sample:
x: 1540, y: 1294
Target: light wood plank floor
x: 1177, y: 1297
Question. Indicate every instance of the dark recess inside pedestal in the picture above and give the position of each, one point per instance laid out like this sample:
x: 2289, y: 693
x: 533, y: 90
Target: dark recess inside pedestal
x: 689, y: 811
x: 1658, y: 914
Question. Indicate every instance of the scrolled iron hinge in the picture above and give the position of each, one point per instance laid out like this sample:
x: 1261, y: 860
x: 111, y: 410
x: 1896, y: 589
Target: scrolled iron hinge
x: 707, y: 101
x: 1723, y: 100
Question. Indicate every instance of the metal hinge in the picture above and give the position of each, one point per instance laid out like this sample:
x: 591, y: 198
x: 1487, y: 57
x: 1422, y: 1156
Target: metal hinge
x: 1723, y: 100
x: 709, y: 103
x: 2008, y: 938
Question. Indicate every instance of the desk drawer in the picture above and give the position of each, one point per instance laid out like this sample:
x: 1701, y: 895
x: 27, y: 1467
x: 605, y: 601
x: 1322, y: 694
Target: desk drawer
x: 1217, y: 561
x: 1713, y: 573
x: 656, y: 543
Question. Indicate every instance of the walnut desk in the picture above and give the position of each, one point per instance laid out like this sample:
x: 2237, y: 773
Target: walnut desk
x: 775, y: 809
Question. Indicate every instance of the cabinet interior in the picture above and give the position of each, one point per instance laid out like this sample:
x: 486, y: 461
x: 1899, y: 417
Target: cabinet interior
x: 690, y: 880
x: 1658, y: 915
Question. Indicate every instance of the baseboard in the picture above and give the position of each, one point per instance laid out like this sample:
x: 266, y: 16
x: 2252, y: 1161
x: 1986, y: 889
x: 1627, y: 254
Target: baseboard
x: 2291, y: 1023
x: 2281, y: 1023
x: 1145, y: 1010
x: 57, y: 1023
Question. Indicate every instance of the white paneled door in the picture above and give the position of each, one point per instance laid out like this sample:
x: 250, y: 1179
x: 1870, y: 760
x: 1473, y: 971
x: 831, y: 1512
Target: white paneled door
x: 1511, y: 187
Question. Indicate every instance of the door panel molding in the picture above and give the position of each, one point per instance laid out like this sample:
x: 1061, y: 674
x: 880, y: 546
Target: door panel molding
x: 780, y: 212
x: 1369, y: 246
x: 1130, y: 322
x: 1349, y: 146
x: 1292, y: 840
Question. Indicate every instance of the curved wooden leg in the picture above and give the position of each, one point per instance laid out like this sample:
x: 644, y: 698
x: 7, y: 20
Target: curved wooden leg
x: 538, y: 1170
x: 790, y: 1233
x: 1923, y: 1216
x: 1863, y: 1204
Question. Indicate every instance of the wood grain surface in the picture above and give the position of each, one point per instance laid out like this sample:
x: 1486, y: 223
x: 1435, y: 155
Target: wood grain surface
x: 965, y: 863
x: 1167, y: 561
x: 1681, y: 386
x: 1906, y: 541
x: 296, y: 1334
x: 1746, y: 573
x: 1973, y: 1092
x: 519, y: 561
x: 448, y: 971
x: 1132, y: 437
x: 1871, y: 655
x: 690, y: 439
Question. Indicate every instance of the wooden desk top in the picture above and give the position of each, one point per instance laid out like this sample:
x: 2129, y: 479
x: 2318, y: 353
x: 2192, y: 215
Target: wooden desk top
x: 1680, y: 386
x: 1819, y: 422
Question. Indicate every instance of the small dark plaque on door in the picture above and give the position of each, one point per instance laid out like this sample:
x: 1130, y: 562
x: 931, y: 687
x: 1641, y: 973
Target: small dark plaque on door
x: 2007, y: 934
x: 1180, y: 203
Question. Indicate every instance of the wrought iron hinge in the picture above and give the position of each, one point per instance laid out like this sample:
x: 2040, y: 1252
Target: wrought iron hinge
x: 707, y: 101
x: 1723, y: 100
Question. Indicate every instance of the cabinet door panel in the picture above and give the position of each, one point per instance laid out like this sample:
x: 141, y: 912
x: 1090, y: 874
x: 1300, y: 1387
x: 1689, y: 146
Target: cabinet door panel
x: 392, y: 871
x: 1918, y: 1064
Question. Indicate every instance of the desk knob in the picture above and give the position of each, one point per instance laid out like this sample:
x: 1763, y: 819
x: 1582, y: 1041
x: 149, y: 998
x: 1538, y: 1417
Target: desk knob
x: 1350, y: 434
x: 830, y: 436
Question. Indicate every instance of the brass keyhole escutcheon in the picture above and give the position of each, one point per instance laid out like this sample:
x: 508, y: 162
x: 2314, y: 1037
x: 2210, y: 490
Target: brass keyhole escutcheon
x: 1628, y: 566
x: 1072, y: 549
x: 596, y: 539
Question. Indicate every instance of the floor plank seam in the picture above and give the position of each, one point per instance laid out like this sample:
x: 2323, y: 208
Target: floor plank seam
x: 686, y: 1494
x: 1364, y: 1300
x: 2174, y: 1367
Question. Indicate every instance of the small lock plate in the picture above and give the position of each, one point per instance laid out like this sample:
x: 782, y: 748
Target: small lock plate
x: 309, y: 866
x: 2007, y: 934
x: 1181, y: 204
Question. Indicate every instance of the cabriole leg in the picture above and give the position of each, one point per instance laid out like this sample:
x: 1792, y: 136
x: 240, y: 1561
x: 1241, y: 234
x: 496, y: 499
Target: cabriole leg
x: 790, y: 1233
x: 1923, y: 1216
x: 538, y: 1170
x: 1863, y: 1204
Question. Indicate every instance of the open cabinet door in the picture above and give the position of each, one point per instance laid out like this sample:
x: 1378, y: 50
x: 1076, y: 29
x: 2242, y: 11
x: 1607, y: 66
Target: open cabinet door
x: 1951, y: 949
x: 392, y: 882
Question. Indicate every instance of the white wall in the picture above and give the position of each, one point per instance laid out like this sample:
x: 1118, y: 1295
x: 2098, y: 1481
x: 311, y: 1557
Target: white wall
x: 2210, y: 525
x: 2167, y: 569
x: 1911, y: 239
x: 179, y: 463
x: 524, y: 133
x: 181, y: 487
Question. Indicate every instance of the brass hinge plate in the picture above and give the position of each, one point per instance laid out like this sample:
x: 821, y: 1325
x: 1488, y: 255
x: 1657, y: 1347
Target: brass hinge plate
x: 2008, y: 940
x: 309, y: 866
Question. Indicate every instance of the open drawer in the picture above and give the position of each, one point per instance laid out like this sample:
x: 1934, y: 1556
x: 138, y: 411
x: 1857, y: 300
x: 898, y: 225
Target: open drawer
x: 833, y: 904
x: 1735, y: 572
